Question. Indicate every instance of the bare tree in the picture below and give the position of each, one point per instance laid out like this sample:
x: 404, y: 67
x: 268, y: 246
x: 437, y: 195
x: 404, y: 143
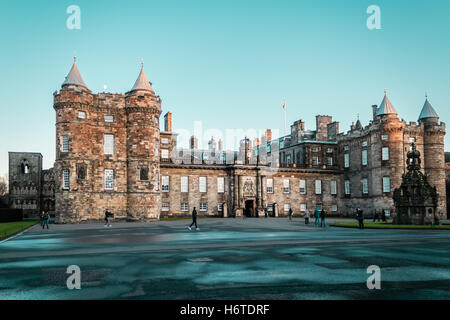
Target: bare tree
x: 3, y: 188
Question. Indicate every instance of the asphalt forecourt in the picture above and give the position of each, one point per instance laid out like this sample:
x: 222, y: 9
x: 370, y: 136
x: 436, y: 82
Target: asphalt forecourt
x: 244, y: 259
x: 387, y: 225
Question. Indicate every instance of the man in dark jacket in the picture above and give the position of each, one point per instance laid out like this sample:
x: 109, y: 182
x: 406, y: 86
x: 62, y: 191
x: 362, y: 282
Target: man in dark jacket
x: 194, y: 220
x: 323, y: 215
x: 360, y: 218
x: 108, y: 215
x: 290, y: 213
x: 45, y: 220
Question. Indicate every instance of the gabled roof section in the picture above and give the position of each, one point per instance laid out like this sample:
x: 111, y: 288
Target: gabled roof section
x: 428, y: 111
x: 74, y: 76
x: 142, y: 82
x: 385, y: 107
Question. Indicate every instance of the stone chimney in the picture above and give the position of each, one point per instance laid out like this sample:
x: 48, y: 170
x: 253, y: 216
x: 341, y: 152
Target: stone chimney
x: 268, y: 135
x: 322, y: 123
x: 168, y: 122
x: 374, y: 111
x: 333, y: 130
x: 193, y: 143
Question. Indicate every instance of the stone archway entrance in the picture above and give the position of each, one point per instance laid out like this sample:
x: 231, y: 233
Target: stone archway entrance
x: 249, y: 209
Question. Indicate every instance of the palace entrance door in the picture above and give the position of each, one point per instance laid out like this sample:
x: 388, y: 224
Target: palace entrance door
x: 249, y: 210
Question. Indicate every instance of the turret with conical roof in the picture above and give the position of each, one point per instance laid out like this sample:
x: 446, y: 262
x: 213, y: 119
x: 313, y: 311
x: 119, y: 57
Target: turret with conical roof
x: 142, y: 82
x: 74, y: 106
x: 74, y: 78
x: 433, y: 147
x: 428, y: 114
x: 385, y: 108
x: 143, y: 109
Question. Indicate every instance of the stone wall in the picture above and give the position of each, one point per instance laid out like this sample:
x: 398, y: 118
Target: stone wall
x: 25, y: 170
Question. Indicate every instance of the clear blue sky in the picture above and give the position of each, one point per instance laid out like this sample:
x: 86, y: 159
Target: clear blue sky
x: 227, y: 63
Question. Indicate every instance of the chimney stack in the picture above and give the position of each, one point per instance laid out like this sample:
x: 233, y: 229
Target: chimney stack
x: 268, y: 135
x: 168, y: 122
x: 193, y: 142
x: 374, y: 110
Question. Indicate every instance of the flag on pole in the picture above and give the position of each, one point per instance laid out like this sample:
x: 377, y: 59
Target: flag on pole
x: 284, y: 105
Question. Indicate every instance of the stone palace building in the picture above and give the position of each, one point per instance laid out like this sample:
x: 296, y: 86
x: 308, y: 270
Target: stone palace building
x: 111, y: 154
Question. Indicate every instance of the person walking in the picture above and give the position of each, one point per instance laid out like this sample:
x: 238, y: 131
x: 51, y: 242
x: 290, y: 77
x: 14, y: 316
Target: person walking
x: 194, y: 220
x: 41, y: 219
x: 323, y: 215
x: 316, y: 216
x: 45, y: 220
x: 266, y: 212
x: 290, y: 213
x: 360, y: 217
x: 307, y: 216
x: 107, y: 217
x: 376, y: 216
x: 383, y: 216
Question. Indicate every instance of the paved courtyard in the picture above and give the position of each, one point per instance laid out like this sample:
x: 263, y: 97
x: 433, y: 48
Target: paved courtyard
x: 227, y: 259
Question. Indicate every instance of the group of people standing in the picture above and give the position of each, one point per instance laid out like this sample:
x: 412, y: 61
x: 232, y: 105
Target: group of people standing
x: 45, y: 219
x: 319, y: 215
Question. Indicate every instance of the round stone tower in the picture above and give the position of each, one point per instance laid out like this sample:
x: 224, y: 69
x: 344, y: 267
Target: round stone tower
x: 143, y: 109
x: 389, y: 152
x: 70, y: 197
x: 433, y: 147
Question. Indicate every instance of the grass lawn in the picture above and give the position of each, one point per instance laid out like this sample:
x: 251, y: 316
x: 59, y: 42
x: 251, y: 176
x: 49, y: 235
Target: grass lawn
x: 385, y: 225
x: 8, y: 229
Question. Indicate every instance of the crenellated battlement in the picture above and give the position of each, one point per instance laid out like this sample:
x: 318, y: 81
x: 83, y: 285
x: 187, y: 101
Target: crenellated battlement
x: 109, y: 100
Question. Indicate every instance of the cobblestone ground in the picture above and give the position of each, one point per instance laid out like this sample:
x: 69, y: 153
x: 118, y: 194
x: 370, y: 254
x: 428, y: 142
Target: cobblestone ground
x: 227, y: 259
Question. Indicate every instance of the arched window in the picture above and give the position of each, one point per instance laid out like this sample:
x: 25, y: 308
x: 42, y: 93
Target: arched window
x: 25, y: 167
